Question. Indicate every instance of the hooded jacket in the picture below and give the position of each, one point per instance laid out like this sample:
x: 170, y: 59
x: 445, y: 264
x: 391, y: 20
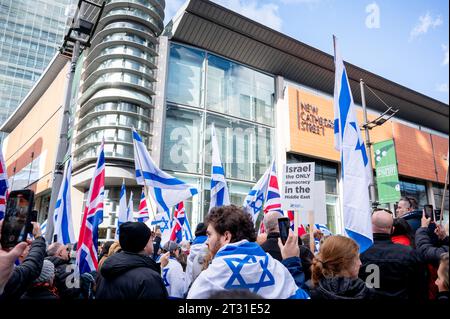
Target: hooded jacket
x: 128, y: 275
x: 342, y: 288
x: 62, y: 270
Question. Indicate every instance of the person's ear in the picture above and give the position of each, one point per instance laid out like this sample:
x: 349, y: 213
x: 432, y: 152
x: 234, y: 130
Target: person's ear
x: 227, y: 236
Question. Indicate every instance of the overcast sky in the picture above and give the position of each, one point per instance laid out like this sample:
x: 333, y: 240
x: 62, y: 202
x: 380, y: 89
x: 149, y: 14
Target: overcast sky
x: 405, y: 41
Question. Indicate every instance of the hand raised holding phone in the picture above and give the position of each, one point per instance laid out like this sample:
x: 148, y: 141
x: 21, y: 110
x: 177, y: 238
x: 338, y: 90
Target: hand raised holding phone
x: 290, y: 248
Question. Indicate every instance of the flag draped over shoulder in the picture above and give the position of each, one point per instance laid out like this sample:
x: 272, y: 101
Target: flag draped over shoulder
x: 3, y: 185
x: 63, y: 211
x: 356, y: 172
x: 219, y: 189
x: 245, y: 265
x: 166, y: 190
x: 92, y: 218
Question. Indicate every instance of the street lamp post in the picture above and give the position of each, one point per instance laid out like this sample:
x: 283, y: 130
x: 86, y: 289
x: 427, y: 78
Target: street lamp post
x: 77, y: 38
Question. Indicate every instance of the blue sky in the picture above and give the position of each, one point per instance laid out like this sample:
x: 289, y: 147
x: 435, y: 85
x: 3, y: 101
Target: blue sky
x: 405, y: 41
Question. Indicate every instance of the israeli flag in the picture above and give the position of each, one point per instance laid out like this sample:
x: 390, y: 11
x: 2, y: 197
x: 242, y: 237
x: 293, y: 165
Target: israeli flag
x: 356, y: 172
x: 187, y: 233
x: 166, y: 190
x: 219, y: 189
x: 123, y: 209
x: 245, y: 265
x: 254, y: 202
x: 63, y: 212
x: 130, y: 212
x: 174, y: 279
x: 324, y: 229
x: 44, y: 228
x: 162, y: 220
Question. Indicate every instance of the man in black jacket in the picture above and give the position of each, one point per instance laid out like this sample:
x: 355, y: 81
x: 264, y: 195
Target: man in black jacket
x: 131, y: 274
x: 271, y: 244
x: 408, y: 209
x: 59, y: 255
x: 428, y: 250
x: 24, y: 274
x: 401, y: 274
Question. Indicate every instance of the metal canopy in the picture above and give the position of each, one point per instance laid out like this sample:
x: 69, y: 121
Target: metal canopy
x: 209, y: 26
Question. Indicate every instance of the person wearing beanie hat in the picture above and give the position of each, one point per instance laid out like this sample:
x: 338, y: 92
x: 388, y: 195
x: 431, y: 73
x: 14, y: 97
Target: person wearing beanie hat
x: 174, y: 277
x: 131, y: 273
x: 43, y: 285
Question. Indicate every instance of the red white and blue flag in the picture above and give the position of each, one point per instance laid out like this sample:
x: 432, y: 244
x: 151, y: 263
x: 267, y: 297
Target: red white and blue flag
x: 301, y: 230
x: 273, y: 201
x: 3, y: 185
x: 92, y: 218
x: 143, y: 209
x: 178, y: 219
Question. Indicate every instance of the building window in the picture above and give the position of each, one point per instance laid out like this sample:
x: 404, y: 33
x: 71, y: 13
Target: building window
x: 185, y: 75
x: 416, y: 189
x: 438, y: 191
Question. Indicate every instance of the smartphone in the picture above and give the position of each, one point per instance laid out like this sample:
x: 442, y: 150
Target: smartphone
x: 18, y: 217
x: 284, y: 224
x: 429, y: 211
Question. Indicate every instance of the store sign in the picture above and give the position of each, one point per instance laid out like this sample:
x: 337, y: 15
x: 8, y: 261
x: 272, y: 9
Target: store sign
x: 309, y: 119
x: 386, y: 172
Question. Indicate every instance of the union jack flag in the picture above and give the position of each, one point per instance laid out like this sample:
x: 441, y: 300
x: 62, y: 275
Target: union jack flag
x: 3, y: 185
x: 92, y: 218
x: 273, y: 201
x: 178, y: 219
x: 301, y: 230
x: 143, y: 209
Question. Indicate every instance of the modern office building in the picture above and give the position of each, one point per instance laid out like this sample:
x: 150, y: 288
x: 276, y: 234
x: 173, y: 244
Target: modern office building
x: 268, y: 95
x: 30, y: 34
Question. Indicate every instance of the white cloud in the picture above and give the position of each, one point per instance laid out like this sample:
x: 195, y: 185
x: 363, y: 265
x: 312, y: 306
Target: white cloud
x: 445, y: 49
x: 442, y: 87
x: 266, y: 14
x: 425, y: 23
x: 172, y: 7
x: 298, y: 1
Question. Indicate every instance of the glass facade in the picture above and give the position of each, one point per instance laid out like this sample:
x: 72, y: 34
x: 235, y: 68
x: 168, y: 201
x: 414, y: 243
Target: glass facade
x: 328, y: 172
x: 205, y: 89
x: 30, y: 34
x: 416, y: 189
x: 438, y: 191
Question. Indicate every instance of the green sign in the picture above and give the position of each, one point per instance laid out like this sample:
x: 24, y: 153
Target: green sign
x: 386, y: 172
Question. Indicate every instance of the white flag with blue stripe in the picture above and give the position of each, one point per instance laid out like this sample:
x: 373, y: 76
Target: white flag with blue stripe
x: 44, y: 228
x: 356, y: 172
x: 254, y: 202
x: 166, y: 190
x: 130, y: 217
x: 123, y: 209
x: 219, y: 189
x: 63, y: 211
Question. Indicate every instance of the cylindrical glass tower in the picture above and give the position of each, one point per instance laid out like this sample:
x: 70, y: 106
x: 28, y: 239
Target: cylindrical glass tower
x: 118, y: 80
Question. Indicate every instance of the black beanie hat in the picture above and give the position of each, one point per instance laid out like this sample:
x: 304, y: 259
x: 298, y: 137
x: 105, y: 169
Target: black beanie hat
x: 200, y: 230
x: 133, y: 236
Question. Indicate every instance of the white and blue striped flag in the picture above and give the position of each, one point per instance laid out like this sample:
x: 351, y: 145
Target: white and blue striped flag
x: 356, y: 172
x: 130, y: 217
x: 123, y: 209
x: 44, y: 228
x: 63, y: 211
x: 166, y: 190
x: 219, y: 189
x: 254, y: 202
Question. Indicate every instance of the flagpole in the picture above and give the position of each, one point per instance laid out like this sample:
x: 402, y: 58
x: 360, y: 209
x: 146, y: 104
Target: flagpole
x: 145, y: 183
x: 441, y: 218
x: 368, y: 147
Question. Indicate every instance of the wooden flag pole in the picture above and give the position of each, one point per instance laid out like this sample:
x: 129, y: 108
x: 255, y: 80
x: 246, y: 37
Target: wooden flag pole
x: 311, y: 231
x: 441, y: 218
x: 296, y: 221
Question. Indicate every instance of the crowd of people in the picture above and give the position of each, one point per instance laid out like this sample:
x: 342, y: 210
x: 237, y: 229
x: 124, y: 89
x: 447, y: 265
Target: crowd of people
x: 229, y: 259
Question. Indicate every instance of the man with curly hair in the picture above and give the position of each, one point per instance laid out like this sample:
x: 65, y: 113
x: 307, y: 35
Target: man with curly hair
x: 238, y: 262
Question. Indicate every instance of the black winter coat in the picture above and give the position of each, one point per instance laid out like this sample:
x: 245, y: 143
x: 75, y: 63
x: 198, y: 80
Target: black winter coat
x: 414, y: 220
x: 270, y: 246
x: 427, y: 251
x: 130, y: 276
x: 62, y: 271
x: 402, y: 275
x: 341, y: 288
x: 24, y: 274
x: 39, y: 293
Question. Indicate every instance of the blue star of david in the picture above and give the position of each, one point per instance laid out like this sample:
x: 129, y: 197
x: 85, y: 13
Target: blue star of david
x: 166, y: 282
x: 360, y: 146
x: 236, y: 269
x: 164, y: 222
x: 257, y: 204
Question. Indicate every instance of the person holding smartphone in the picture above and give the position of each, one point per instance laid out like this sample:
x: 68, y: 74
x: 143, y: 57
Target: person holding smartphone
x: 24, y: 274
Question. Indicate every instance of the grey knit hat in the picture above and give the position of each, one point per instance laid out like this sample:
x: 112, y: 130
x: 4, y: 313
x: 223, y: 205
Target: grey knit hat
x: 47, y: 272
x: 170, y: 246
